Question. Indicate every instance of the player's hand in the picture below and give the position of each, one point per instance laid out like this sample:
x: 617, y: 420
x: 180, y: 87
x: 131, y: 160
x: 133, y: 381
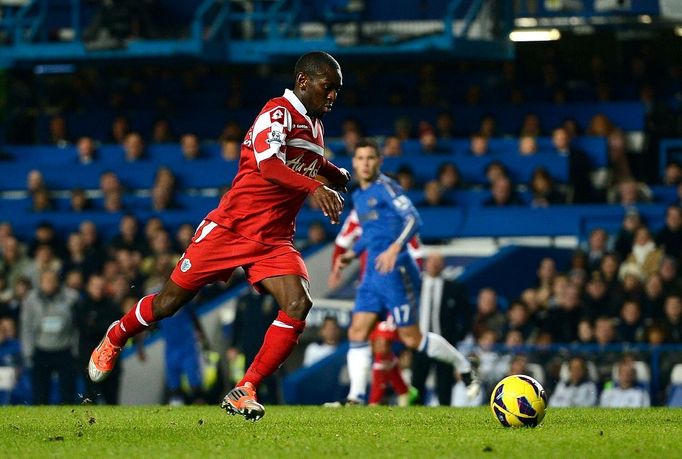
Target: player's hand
x: 385, y: 262
x: 342, y: 184
x: 342, y: 261
x: 334, y: 279
x: 329, y: 201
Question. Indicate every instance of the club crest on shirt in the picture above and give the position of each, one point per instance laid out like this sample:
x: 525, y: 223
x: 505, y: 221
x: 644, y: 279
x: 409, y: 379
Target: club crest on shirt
x: 185, y: 265
x: 372, y: 202
x: 275, y: 136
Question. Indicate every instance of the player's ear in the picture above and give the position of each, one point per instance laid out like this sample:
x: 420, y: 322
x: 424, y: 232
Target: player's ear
x: 302, y: 80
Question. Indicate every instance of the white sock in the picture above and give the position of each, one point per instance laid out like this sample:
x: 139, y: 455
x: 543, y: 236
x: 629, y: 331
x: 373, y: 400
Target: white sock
x: 359, y: 361
x: 438, y: 348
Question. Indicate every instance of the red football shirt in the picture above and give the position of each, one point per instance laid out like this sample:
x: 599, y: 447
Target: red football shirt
x: 255, y: 207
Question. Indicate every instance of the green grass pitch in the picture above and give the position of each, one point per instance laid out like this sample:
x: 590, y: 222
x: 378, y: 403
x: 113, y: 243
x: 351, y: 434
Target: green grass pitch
x: 317, y: 432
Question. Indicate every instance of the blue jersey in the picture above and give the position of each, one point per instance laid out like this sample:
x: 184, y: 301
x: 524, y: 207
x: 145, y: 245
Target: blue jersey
x: 386, y: 216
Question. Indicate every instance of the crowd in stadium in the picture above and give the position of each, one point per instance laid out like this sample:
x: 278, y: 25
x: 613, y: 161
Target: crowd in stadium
x: 623, y: 287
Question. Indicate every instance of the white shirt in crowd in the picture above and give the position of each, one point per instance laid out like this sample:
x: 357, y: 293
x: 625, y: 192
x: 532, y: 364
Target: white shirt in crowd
x: 315, y: 352
x: 615, y: 397
x: 566, y: 394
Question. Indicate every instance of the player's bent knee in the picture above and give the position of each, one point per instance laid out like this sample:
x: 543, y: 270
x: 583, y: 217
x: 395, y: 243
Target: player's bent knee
x: 298, y: 308
x: 166, y: 306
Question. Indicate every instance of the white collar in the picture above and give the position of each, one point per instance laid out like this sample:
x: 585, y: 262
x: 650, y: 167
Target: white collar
x: 295, y: 101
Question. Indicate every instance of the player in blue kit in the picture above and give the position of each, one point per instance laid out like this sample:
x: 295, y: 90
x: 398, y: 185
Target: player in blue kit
x: 391, y: 283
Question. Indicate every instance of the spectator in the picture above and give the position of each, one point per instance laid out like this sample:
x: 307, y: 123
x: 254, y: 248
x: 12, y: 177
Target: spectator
x: 445, y: 310
x: 502, y: 194
x: 645, y: 258
x: 163, y: 198
x: 35, y: 181
x: 445, y: 125
x: 546, y: 274
x: 495, y: 170
x: 618, y: 156
x: 58, y: 132
x: 129, y: 236
x: 43, y: 261
x: 183, y: 236
x: 392, y: 147
x: 585, y: 331
x: 93, y: 246
x: 625, y: 394
x: 487, y: 316
x: 600, y: 126
x: 519, y: 319
x: 315, y: 236
x: 669, y: 238
x: 41, y: 201
x: 672, y: 176
x: 528, y: 146
x: 190, y: 147
x: 672, y: 285
x: 530, y: 126
x: 626, y: 233
x: 162, y: 132
x: 597, y: 247
x: 577, y: 390
x: 86, y: 149
x: 120, y: 128
x: 597, y: 300
x: 109, y: 183
x: 405, y: 177
x: 113, y: 202
x: 165, y: 177
x: 428, y: 142
x: 402, y: 128
x: 230, y: 149
x: 433, y: 196
x: 478, y: 144
x: 543, y: 189
x: 449, y: 177
x: 94, y: 313
x: 672, y: 321
x: 78, y: 258
x: 232, y: 131
x: 630, y: 328
x: 350, y: 138
x: 629, y: 192
x: 79, y: 201
x: 330, y: 337
x: 488, y: 126
x: 579, y: 167
x: 46, y: 235
x: 48, y: 337
x: 562, y: 320
x: 133, y: 147
x: 652, y: 300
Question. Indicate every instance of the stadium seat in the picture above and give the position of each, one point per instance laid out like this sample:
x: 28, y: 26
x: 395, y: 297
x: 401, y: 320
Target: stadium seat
x: 676, y: 374
x: 592, y: 372
x: 641, y: 368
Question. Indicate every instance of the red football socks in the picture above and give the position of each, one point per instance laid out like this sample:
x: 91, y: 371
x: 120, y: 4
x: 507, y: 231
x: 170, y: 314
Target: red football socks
x: 279, y: 341
x: 133, y: 322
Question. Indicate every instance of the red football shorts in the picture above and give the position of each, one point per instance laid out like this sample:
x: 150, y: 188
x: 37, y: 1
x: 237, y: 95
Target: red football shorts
x: 215, y: 252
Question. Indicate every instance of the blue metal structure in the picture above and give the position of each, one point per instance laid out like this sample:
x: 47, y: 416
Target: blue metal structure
x: 34, y: 32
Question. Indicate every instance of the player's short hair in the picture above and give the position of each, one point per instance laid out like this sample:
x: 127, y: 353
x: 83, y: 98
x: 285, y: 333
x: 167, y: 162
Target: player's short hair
x: 363, y: 143
x: 315, y: 63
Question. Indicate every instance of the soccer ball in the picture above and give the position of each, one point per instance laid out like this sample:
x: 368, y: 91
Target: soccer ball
x: 518, y: 401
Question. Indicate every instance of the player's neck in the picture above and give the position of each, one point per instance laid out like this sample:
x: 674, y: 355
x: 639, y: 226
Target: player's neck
x: 366, y: 183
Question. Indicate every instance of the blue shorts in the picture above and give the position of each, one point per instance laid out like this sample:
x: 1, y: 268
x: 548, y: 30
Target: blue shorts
x: 396, y: 292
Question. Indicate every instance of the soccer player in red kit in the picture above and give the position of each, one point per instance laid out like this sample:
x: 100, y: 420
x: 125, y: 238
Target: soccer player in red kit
x: 253, y: 227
